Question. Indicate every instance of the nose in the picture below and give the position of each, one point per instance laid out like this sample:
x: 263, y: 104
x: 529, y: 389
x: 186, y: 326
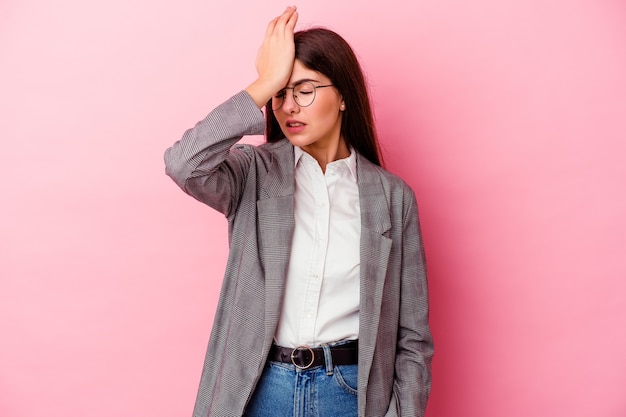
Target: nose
x: 289, y: 104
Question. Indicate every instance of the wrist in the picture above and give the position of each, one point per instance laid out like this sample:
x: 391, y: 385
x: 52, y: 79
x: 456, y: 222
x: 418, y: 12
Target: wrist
x: 261, y: 91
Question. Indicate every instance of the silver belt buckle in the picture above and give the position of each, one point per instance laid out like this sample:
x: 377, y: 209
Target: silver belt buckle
x: 300, y: 348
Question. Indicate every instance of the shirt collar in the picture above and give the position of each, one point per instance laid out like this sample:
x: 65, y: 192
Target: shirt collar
x: 350, y: 161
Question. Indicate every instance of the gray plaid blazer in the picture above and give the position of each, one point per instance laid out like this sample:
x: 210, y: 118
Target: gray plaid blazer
x: 254, y: 188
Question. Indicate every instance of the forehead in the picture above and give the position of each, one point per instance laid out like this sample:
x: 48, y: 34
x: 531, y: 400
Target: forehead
x: 300, y: 72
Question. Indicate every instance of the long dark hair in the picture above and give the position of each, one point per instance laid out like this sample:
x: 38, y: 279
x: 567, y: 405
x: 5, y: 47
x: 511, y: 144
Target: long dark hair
x: 324, y: 51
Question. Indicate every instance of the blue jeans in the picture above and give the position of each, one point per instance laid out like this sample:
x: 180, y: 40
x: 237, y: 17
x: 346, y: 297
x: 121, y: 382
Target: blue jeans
x: 322, y: 391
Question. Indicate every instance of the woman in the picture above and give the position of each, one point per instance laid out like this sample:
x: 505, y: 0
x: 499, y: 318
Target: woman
x: 324, y: 306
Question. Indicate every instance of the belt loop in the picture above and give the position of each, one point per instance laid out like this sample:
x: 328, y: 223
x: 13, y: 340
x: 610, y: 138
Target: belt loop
x: 328, y: 359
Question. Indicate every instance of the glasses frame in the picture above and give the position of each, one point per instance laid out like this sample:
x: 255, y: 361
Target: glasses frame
x: 293, y: 94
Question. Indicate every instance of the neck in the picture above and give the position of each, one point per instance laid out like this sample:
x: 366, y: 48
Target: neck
x: 327, y: 154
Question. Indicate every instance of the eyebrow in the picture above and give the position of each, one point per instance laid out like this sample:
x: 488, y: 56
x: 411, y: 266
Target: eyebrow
x: 304, y: 80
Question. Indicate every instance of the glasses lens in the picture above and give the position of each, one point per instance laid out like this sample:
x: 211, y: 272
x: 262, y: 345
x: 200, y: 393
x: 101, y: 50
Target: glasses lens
x: 278, y: 99
x: 304, y: 94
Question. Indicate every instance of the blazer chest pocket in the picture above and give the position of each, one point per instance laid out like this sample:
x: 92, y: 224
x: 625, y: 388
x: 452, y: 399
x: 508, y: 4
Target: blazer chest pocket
x: 275, y: 229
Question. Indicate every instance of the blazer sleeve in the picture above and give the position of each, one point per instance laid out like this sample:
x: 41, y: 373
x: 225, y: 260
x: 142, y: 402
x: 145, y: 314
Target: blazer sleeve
x: 412, y: 380
x: 206, y: 164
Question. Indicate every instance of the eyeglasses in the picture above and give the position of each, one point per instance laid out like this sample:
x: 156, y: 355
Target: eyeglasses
x: 303, y: 94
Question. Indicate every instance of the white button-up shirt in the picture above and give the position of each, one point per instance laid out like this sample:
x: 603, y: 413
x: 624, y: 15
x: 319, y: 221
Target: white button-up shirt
x: 321, y: 300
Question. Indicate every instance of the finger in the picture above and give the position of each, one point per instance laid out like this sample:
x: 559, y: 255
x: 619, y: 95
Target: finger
x: 291, y: 24
x: 271, y: 26
x: 285, y: 17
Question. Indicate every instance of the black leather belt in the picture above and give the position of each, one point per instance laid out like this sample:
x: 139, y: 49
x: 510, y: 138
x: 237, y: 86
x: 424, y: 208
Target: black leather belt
x: 304, y: 357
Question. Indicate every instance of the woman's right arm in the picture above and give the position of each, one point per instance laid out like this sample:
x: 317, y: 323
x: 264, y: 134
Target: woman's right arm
x: 204, y: 162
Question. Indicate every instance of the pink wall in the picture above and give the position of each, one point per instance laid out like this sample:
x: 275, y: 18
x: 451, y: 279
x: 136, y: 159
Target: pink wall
x: 508, y: 118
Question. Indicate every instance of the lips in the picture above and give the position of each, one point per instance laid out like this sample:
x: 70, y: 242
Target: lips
x: 294, y: 126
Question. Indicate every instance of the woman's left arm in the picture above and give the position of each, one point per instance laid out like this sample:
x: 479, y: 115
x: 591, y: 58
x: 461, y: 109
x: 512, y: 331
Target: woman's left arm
x: 415, y: 345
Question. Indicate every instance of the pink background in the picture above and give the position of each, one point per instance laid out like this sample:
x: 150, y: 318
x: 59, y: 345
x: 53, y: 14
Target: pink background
x: 507, y: 117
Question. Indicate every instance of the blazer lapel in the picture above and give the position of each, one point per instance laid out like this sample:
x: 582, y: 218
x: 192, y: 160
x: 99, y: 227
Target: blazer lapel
x: 276, y: 224
x: 375, y: 250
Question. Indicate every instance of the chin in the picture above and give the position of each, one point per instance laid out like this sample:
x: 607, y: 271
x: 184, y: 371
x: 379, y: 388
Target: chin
x: 298, y: 141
